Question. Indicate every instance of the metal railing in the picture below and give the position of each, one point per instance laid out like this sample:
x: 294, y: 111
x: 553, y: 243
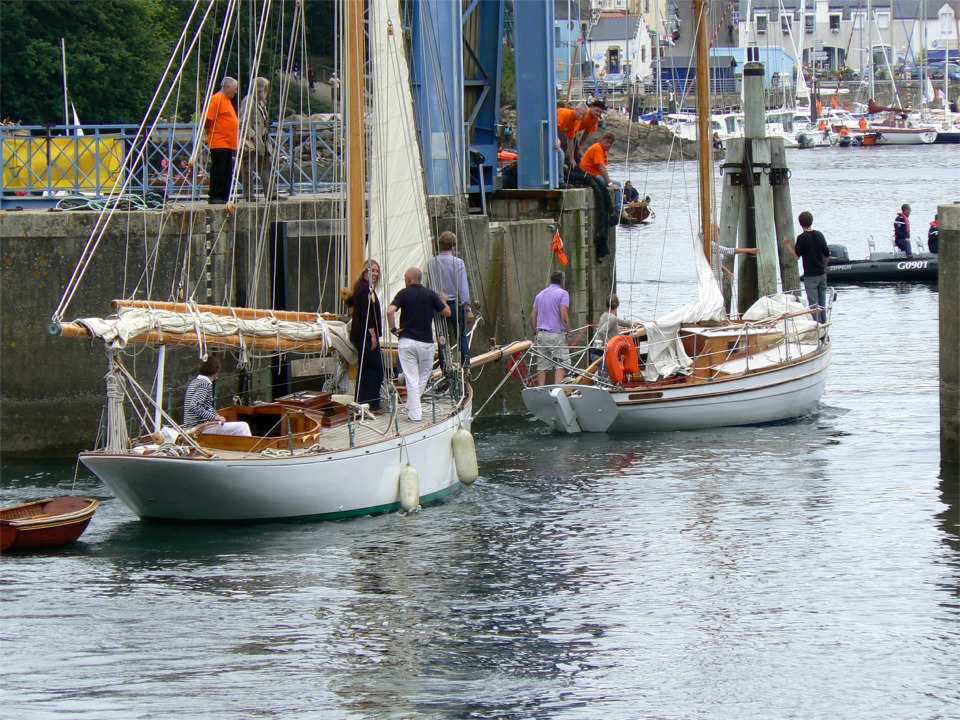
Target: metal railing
x: 42, y: 164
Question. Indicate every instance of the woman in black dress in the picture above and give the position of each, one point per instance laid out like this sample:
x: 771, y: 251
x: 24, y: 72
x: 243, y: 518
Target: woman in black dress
x: 365, y: 335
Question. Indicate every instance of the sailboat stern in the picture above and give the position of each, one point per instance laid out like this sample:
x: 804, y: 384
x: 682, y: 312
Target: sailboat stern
x: 572, y: 408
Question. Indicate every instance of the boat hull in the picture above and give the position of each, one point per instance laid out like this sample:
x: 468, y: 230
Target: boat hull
x: 46, y: 523
x: 903, y: 136
x: 771, y: 396
x: 894, y: 270
x: 317, y: 486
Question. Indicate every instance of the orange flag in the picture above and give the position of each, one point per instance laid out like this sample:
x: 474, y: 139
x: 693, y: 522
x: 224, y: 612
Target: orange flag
x: 819, y: 106
x: 833, y: 101
x: 557, y: 247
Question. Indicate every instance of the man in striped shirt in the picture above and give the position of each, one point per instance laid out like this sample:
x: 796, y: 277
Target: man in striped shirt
x: 198, y: 403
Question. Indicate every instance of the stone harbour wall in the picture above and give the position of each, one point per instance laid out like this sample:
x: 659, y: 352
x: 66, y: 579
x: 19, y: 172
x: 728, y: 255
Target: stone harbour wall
x: 52, y: 393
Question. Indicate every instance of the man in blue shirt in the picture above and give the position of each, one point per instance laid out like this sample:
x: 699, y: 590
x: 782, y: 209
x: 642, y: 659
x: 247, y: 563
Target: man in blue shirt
x: 447, y: 274
x: 415, y: 347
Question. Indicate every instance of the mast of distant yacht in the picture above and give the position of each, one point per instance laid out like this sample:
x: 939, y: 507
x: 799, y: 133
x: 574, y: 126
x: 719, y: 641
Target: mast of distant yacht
x: 705, y: 149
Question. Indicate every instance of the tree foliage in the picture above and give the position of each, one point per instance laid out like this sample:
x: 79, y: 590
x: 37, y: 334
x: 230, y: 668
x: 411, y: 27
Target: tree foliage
x: 117, y: 49
x: 114, y: 51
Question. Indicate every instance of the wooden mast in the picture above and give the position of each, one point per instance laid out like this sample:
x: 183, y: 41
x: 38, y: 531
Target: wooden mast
x: 705, y: 149
x: 354, y: 135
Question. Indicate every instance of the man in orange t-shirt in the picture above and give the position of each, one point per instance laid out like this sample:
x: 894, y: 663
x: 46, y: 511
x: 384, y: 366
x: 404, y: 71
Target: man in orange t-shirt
x: 588, y: 124
x: 223, y: 129
x: 567, y: 120
x: 594, y: 162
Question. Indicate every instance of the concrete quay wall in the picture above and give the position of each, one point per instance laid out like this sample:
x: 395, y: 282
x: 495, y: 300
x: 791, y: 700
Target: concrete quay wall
x: 52, y: 393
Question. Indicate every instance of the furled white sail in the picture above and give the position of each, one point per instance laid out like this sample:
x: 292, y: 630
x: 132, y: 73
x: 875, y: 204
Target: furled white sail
x: 666, y: 355
x: 399, y: 230
x: 132, y: 323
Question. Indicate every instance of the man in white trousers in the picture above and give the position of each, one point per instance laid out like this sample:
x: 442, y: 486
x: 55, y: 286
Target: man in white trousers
x: 417, y: 305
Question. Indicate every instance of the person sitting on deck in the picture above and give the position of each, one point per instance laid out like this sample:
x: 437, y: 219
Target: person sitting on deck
x: 630, y: 193
x: 607, y: 327
x: 198, y: 403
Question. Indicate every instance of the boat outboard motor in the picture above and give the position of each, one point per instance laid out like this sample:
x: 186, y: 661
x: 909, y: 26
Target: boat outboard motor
x: 838, y: 253
x: 805, y: 140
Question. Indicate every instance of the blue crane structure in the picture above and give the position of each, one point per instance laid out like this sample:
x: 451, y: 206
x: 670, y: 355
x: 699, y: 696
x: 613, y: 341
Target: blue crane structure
x: 456, y: 62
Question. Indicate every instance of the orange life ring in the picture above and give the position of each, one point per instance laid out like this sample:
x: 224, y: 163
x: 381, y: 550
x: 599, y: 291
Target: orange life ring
x: 621, y: 358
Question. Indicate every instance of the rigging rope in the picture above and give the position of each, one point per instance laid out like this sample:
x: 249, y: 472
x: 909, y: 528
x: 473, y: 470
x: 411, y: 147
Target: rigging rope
x: 133, y: 156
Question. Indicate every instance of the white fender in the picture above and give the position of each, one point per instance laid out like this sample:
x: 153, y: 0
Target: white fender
x: 465, y: 456
x: 409, y: 488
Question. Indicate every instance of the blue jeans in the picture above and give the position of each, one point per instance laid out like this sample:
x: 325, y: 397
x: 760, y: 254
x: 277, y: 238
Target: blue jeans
x: 816, y: 288
x: 619, y: 196
x: 904, y: 245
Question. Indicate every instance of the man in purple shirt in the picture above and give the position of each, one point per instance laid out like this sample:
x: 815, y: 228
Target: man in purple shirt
x: 551, y: 320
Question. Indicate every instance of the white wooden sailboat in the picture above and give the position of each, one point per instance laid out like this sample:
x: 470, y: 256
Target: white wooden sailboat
x: 310, y: 457
x: 697, y: 368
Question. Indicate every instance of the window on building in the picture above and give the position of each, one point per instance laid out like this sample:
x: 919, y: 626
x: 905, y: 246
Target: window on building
x: 946, y: 23
x: 761, y: 23
x: 883, y: 20
x: 809, y: 23
x: 786, y: 21
x: 857, y: 18
x: 835, y: 23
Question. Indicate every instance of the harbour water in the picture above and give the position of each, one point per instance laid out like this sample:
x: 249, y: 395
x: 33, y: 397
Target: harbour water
x: 809, y: 570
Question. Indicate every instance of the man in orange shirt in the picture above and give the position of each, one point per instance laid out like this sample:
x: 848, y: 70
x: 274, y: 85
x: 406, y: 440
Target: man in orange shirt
x: 222, y: 128
x: 567, y: 120
x: 606, y: 215
x: 588, y: 124
x: 594, y: 162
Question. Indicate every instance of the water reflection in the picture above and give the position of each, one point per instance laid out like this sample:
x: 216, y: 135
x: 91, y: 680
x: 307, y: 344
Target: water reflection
x: 464, y: 603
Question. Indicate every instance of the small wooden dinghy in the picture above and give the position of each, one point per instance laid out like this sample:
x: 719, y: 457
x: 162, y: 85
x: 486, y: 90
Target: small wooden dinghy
x: 50, y: 522
x: 639, y: 210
